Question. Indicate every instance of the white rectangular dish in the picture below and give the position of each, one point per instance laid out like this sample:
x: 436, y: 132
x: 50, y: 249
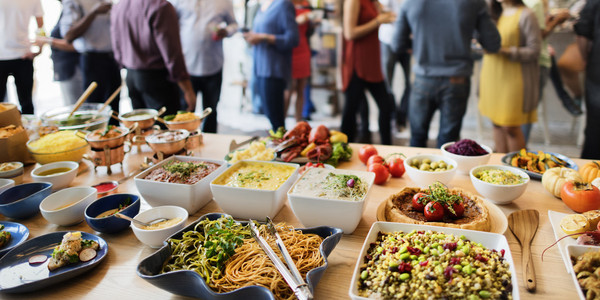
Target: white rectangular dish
x: 555, y: 218
x: 251, y: 203
x: 575, y: 251
x: 192, y: 197
x: 486, y: 239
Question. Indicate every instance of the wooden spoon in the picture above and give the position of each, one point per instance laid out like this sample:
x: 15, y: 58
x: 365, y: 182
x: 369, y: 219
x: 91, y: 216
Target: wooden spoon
x: 83, y: 97
x: 524, y: 224
x: 109, y: 100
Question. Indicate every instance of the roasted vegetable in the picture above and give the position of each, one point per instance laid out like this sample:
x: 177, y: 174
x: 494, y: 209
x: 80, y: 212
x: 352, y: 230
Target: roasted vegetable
x: 4, y: 236
x: 537, y: 163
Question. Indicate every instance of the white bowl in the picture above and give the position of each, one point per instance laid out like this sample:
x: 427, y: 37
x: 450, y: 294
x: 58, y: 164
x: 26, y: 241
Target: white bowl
x: 15, y: 174
x: 6, y: 184
x: 155, y: 238
x: 248, y: 203
x: 425, y: 178
x: 315, y: 211
x: 487, y: 239
x: 67, y: 207
x: 192, y: 197
x: 466, y: 163
x: 59, y: 180
x: 496, y: 193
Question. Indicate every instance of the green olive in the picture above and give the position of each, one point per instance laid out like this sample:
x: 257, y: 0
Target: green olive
x: 434, y: 165
x: 424, y: 167
x: 415, y: 162
x: 426, y: 161
x: 442, y: 164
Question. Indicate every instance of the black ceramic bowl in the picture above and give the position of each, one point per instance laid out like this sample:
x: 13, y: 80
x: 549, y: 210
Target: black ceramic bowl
x: 191, y: 284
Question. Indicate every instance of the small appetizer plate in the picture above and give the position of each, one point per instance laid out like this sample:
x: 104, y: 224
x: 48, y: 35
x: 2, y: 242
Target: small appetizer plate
x: 18, y: 234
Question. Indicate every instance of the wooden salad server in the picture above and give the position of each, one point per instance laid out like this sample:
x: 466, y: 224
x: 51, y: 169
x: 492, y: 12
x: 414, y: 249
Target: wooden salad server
x: 524, y: 224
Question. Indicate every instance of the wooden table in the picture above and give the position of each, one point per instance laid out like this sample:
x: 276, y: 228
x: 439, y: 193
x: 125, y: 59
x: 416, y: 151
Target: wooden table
x: 116, y: 278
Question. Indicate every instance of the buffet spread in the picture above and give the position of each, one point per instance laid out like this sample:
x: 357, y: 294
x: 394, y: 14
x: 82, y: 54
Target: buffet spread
x: 435, y: 225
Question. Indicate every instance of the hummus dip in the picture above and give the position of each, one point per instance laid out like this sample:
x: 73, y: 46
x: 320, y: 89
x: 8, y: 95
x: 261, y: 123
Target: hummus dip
x: 324, y: 183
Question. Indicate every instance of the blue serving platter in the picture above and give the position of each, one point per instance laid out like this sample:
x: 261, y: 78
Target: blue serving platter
x: 18, y: 276
x: 18, y: 234
x: 191, y: 284
x: 570, y: 163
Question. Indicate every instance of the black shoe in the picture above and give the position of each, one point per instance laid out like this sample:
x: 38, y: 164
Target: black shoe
x: 573, y: 107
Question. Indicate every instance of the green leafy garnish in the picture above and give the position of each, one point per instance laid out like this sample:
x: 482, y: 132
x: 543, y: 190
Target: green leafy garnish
x: 184, y: 169
x: 438, y: 192
x: 277, y: 135
x: 339, y: 184
x: 341, y: 151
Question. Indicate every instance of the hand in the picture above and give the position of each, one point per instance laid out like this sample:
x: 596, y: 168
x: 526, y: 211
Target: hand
x: 222, y: 33
x: 254, y: 38
x: 41, y: 40
x: 190, y: 99
x: 562, y: 16
x: 101, y: 8
x: 31, y: 55
x: 386, y: 18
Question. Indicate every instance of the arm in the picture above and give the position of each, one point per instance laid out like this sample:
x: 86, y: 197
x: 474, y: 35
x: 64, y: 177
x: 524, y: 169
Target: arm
x: 232, y: 25
x: 553, y: 21
x: 488, y: 35
x: 352, y: 31
x: 529, y: 28
x: 60, y: 44
x: 80, y: 26
x: 286, y: 41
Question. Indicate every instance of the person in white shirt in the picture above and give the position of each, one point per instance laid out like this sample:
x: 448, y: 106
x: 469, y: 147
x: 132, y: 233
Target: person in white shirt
x: 203, y: 24
x: 16, y: 57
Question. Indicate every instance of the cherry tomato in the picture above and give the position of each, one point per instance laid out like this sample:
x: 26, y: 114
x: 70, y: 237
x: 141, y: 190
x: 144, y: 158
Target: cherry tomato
x: 381, y: 173
x: 419, y: 201
x: 434, y: 211
x: 375, y: 159
x: 365, y: 152
x: 580, y: 197
x: 396, y: 166
x: 459, y: 210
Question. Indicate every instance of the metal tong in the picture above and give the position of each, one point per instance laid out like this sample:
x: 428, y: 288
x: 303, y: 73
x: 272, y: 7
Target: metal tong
x: 291, y: 275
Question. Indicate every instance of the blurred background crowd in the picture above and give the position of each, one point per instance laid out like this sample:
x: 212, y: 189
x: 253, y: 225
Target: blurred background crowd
x: 405, y: 69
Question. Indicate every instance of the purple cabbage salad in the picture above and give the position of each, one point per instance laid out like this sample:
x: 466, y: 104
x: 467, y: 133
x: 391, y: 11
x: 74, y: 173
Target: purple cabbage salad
x: 466, y: 147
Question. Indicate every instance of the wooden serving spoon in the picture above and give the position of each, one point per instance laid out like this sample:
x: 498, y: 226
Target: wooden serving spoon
x: 83, y: 97
x: 524, y: 224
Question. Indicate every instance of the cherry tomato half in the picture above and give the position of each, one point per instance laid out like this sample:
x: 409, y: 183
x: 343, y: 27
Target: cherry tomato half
x: 365, y: 152
x: 419, y: 201
x: 381, y: 173
x: 434, y: 211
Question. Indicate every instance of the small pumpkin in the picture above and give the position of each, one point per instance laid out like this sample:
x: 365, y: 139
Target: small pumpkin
x: 554, y: 179
x: 590, y: 171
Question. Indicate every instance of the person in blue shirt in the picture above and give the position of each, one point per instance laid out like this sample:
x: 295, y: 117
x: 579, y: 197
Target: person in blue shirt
x: 441, y: 33
x: 274, y: 35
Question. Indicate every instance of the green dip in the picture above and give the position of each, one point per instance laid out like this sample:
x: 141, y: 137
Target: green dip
x: 500, y: 177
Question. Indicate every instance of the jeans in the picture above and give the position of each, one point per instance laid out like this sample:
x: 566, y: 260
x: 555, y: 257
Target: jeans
x: 388, y: 61
x: 22, y: 71
x: 270, y: 91
x: 449, y: 95
x: 152, y: 89
x: 210, y: 87
x: 355, y: 94
x: 102, y: 68
x: 591, y: 144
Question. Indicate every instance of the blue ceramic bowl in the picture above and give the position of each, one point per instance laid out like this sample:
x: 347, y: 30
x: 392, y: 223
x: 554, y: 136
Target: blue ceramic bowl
x: 191, y: 284
x: 111, y: 224
x: 23, y: 201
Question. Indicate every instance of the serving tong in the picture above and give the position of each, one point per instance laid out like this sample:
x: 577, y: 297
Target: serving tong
x: 291, y: 275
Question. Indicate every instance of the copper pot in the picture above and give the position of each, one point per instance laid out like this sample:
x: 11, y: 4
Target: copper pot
x: 100, y: 157
x: 95, y: 139
x: 167, y: 141
x: 144, y: 117
x: 194, y: 140
x: 191, y: 125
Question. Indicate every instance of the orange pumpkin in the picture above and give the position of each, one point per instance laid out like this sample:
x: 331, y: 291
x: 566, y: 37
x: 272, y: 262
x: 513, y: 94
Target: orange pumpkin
x: 590, y: 171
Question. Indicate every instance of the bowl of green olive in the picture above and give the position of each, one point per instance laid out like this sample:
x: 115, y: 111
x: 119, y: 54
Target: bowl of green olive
x: 425, y: 169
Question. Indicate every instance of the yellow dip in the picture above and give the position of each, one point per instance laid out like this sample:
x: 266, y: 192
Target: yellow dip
x: 162, y: 224
x: 256, y: 175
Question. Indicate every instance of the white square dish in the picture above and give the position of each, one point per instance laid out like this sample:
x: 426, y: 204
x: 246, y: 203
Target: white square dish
x: 555, y: 218
x: 251, y: 203
x: 576, y: 251
x: 486, y: 239
x: 192, y: 197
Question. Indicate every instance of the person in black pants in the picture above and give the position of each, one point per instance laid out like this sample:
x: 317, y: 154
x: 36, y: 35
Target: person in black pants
x: 22, y: 70
x: 149, y: 89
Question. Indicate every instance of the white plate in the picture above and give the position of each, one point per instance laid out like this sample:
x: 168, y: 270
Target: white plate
x: 487, y: 239
x: 577, y: 250
x: 555, y: 218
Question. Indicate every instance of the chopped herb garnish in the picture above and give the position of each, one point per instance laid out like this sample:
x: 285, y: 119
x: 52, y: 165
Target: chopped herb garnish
x: 184, y: 169
x: 339, y: 184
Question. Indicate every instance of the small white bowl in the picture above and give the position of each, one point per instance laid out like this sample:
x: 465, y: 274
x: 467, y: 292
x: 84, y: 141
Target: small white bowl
x: 426, y: 178
x: 249, y: 203
x: 466, y: 163
x: 155, y: 238
x: 16, y: 174
x: 6, y: 184
x: 315, y: 211
x: 67, y: 207
x: 58, y: 180
x: 497, y: 193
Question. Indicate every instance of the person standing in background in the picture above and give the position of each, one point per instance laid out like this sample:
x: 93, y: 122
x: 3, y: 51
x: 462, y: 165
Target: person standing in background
x: 389, y: 59
x: 300, y: 61
x: 145, y: 38
x: 588, y: 41
x: 16, y: 58
x: 547, y: 25
x: 361, y: 67
x: 441, y: 31
x: 85, y: 24
x: 509, y: 84
x: 65, y: 60
x: 274, y: 35
x: 204, y: 24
